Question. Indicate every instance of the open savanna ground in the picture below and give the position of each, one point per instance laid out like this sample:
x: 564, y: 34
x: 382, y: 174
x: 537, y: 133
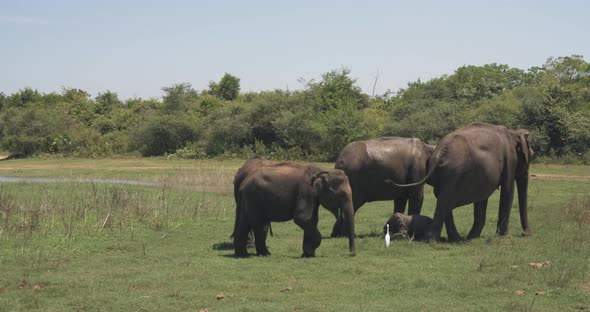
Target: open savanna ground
x: 98, y: 246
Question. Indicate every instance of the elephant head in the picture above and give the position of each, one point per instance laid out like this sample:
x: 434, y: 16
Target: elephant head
x: 396, y: 225
x: 334, y: 193
x: 524, y: 150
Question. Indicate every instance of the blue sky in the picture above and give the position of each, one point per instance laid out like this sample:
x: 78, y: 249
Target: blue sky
x: 135, y: 48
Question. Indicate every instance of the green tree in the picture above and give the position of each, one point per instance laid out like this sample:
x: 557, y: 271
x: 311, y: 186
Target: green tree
x: 503, y: 109
x: 29, y: 131
x: 23, y: 98
x: 228, y: 87
x: 474, y: 83
x: 77, y: 103
x: 3, y: 100
x: 180, y: 97
x: 335, y: 89
x: 564, y: 85
x: 165, y: 134
x: 228, y: 129
x: 106, y: 102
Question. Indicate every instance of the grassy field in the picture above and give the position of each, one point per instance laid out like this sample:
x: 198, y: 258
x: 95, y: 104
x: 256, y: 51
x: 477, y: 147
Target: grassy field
x: 107, y: 247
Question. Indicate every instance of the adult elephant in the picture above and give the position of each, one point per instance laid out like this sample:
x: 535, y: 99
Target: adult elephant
x: 369, y: 163
x: 283, y: 191
x: 468, y: 165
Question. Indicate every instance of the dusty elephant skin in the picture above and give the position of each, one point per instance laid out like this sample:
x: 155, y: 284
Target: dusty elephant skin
x: 409, y: 226
x: 468, y: 165
x: 282, y: 191
x: 369, y: 163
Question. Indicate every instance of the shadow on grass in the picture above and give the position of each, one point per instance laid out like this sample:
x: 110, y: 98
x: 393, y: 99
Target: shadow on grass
x: 371, y: 234
x: 223, y: 246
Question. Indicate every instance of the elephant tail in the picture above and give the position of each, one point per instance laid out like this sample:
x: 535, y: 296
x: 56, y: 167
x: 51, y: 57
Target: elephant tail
x: 434, y: 161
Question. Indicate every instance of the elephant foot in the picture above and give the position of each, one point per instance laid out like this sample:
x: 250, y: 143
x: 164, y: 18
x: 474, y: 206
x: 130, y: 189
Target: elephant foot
x: 264, y: 253
x: 337, y: 229
x: 336, y: 232
x: 503, y: 234
x: 527, y: 232
x: 456, y: 239
x: 308, y: 255
x: 345, y: 233
x: 431, y: 238
x: 242, y: 253
x: 473, y: 235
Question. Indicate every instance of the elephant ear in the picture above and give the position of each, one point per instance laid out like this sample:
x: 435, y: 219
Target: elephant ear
x: 523, y: 144
x: 319, y: 184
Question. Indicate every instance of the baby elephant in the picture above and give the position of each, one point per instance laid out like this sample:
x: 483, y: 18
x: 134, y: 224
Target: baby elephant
x: 414, y: 226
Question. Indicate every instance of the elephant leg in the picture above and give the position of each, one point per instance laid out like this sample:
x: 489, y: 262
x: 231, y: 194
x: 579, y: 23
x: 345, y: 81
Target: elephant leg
x: 311, y: 241
x: 506, y: 197
x: 260, y: 233
x: 311, y: 236
x: 337, y: 228
x: 440, y: 214
x: 452, y: 232
x: 241, y: 238
x: 479, y: 218
x: 416, y: 200
x: 399, y: 204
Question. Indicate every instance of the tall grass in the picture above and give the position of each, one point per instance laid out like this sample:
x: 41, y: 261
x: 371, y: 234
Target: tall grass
x: 68, y: 207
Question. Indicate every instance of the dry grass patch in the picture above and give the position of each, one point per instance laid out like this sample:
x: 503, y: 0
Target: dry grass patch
x: 577, y: 211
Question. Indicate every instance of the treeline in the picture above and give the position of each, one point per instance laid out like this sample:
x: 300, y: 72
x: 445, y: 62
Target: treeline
x: 551, y: 100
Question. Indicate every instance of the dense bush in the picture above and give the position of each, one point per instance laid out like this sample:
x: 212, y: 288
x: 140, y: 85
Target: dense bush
x: 164, y: 134
x: 314, y: 123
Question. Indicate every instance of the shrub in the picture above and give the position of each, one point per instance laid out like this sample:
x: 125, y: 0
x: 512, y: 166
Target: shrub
x: 191, y: 151
x: 164, y: 135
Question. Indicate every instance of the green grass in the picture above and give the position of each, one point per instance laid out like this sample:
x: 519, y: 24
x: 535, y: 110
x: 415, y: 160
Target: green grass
x: 129, y: 248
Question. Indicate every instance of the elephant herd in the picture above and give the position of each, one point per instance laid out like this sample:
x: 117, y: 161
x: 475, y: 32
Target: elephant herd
x: 466, y: 166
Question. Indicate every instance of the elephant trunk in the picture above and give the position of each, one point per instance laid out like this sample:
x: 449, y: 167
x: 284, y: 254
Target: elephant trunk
x: 349, y: 222
x: 522, y: 187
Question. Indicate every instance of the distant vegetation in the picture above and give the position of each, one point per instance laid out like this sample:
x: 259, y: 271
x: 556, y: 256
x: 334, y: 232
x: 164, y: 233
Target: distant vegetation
x: 552, y: 100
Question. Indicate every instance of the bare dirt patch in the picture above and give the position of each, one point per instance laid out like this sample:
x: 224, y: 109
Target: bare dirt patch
x: 559, y: 177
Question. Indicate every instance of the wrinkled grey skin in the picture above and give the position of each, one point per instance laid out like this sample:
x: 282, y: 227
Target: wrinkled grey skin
x: 368, y: 163
x: 468, y: 165
x: 278, y: 192
x: 409, y: 226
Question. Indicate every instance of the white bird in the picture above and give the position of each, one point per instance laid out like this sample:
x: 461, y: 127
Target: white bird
x: 387, y: 239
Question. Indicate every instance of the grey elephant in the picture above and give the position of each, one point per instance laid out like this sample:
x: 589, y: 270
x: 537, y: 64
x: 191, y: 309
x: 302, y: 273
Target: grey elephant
x: 281, y: 191
x: 248, y: 168
x: 409, y: 226
x: 368, y: 163
x: 468, y: 165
